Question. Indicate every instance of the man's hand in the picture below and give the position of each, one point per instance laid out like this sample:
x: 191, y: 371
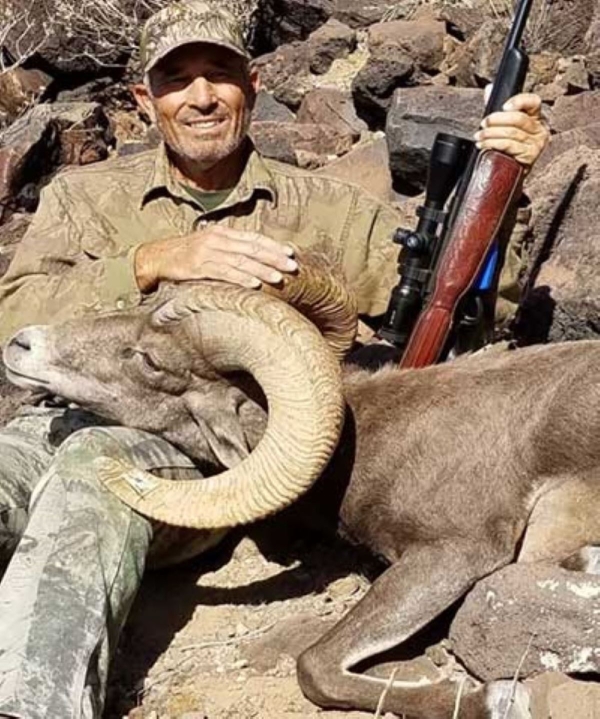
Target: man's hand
x: 218, y: 253
x: 519, y: 130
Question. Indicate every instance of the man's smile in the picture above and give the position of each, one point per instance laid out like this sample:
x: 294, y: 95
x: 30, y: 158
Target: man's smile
x: 206, y: 125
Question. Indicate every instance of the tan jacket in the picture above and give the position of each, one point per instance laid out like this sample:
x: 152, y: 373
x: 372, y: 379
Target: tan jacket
x: 77, y: 255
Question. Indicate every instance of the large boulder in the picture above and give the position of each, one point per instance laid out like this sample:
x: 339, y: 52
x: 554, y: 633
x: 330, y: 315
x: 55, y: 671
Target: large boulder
x: 328, y: 106
x: 45, y: 138
x: 268, y: 109
x: 78, y: 38
x: 415, y: 118
x: 283, y: 21
x: 556, y: 696
x: 368, y: 165
x: 386, y: 69
x: 285, y: 73
x: 561, y: 26
x: 463, y: 20
x: 531, y: 617
x: 360, y: 14
x: 331, y: 41
x: 303, y: 144
x: 19, y: 89
x: 421, y: 40
x: 562, y: 301
x: 586, y: 136
x: 575, y: 111
x: 475, y: 63
x: 402, y: 52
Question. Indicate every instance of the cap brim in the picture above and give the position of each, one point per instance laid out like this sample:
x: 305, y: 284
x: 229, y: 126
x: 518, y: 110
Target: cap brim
x: 194, y: 41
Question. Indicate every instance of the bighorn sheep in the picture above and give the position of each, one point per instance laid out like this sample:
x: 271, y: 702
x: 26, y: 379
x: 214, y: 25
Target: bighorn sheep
x: 448, y: 473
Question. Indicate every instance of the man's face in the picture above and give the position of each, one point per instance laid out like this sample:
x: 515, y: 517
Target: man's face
x: 201, y: 98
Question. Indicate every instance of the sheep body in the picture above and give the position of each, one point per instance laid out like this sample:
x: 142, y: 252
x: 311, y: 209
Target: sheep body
x: 448, y: 473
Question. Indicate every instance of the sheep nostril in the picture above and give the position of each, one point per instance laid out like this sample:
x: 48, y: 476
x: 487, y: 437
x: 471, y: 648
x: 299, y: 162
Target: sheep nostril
x: 22, y: 341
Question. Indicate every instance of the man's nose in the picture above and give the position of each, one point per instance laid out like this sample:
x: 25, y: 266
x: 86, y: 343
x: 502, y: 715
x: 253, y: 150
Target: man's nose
x: 202, y: 93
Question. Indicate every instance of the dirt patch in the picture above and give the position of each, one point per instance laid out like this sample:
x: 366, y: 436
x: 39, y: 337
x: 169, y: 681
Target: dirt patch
x: 219, y: 638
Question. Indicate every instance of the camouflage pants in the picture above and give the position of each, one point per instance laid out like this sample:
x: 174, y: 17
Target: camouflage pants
x: 78, y: 555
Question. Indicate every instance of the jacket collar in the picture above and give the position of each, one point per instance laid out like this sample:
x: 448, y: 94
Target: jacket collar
x: 255, y: 177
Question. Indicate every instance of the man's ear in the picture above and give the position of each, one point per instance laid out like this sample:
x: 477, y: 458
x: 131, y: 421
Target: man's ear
x: 255, y: 82
x: 216, y: 414
x: 142, y: 96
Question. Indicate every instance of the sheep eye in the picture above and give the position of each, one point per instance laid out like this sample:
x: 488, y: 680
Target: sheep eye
x: 149, y: 363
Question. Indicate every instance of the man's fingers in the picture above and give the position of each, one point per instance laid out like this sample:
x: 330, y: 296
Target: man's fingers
x: 214, y: 270
x: 514, y: 119
x: 248, y: 266
x: 234, y: 251
x: 256, y: 239
x: 525, y: 102
x: 504, y: 133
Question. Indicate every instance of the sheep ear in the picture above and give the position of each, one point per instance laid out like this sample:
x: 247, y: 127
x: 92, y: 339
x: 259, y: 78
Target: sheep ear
x: 216, y: 415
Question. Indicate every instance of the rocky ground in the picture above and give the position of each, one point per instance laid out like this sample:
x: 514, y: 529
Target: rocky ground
x: 351, y: 88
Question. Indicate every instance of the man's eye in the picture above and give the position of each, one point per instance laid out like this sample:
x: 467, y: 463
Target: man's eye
x: 172, y: 80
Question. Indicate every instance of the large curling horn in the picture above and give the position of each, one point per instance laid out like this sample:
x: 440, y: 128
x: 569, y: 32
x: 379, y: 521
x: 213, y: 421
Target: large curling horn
x: 239, y: 329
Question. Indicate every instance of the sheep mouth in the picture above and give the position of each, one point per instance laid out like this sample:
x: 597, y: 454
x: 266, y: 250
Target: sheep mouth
x: 25, y: 381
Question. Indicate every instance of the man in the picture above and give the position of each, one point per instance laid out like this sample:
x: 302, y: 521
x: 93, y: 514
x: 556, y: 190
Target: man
x: 205, y: 205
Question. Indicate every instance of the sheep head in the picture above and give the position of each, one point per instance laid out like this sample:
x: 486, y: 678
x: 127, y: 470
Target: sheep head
x: 173, y: 372
x: 128, y: 369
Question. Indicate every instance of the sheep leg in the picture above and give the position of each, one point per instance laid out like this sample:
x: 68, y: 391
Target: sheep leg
x: 564, y: 521
x: 423, y: 583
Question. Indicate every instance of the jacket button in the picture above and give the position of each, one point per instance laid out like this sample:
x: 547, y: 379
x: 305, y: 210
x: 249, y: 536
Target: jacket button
x: 120, y: 304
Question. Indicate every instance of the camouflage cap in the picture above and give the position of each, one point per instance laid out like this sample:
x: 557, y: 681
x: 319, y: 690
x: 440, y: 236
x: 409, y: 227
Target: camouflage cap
x: 185, y: 22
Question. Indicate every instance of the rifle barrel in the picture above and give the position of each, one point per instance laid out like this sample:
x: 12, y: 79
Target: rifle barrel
x: 518, y: 26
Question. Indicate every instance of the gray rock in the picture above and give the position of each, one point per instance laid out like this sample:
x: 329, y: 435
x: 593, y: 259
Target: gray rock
x: 303, y: 144
x: 331, y: 41
x: 587, y: 136
x: 416, y: 116
x: 285, y: 73
x: 359, y: 14
x: 534, y: 617
x: 475, y: 63
x: 573, y: 696
x: 562, y: 300
x: 421, y: 40
x: 464, y: 20
x: 19, y: 88
x: 576, y: 111
x: 47, y: 137
x: 268, y: 109
x: 329, y: 106
x: 373, y: 86
x: 75, y: 41
x: 561, y: 26
x: 284, y: 21
x: 367, y: 165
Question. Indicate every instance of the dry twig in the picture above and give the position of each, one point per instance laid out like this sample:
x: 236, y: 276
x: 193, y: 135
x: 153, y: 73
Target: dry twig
x: 384, y: 693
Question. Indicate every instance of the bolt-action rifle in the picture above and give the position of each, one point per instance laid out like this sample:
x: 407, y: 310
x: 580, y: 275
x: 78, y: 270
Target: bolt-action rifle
x: 452, y: 258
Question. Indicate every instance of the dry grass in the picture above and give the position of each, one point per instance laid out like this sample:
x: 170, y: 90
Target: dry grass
x: 542, y: 30
x: 100, y: 29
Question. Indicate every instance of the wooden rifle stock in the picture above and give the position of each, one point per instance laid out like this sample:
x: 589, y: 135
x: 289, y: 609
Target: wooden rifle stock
x: 495, y: 183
